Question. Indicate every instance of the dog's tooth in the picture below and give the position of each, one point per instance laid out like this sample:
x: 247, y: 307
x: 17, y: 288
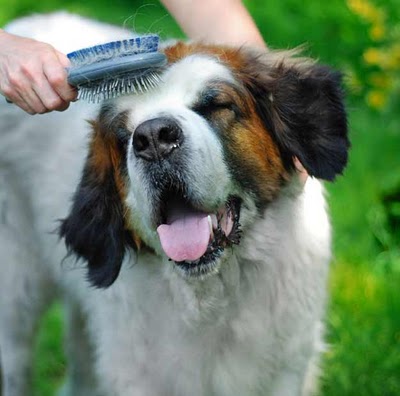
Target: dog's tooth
x: 210, y: 223
x: 214, y: 221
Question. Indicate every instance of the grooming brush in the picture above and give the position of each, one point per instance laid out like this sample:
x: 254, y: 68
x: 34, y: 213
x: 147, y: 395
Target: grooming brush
x: 117, y: 68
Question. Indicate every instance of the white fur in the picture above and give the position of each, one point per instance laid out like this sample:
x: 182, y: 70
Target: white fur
x: 253, y: 329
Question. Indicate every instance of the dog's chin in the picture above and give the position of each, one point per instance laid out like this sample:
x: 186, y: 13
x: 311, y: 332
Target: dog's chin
x: 222, y: 231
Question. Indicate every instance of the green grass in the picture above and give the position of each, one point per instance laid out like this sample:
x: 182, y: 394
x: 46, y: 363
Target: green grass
x: 363, y: 320
x: 364, y: 333
x: 49, y: 363
x: 374, y: 158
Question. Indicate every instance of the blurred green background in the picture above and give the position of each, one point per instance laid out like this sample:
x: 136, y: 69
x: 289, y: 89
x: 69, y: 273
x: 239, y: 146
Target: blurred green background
x: 361, y: 38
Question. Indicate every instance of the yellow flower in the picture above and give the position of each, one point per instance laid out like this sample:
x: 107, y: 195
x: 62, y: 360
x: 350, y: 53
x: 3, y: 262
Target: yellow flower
x: 377, y: 32
x: 394, y: 57
x: 382, y: 60
x: 376, y: 99
x: 366, y: 10
x: 372, y: 56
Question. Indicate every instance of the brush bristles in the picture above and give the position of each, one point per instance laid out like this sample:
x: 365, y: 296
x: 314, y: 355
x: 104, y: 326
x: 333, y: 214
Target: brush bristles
x: 115, y: 49
x: 96, y: 92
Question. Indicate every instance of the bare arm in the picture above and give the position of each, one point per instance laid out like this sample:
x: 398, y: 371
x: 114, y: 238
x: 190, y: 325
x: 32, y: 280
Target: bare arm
x: 216, y: 21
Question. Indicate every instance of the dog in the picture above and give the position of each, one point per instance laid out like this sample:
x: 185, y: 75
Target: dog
x: 202, y: 257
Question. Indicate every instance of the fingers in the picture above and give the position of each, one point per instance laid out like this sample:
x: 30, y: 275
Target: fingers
x: 13, y: 97
x: 49, y: 89
x: 55, y: 71
x: 17, y: 89
x: 32, y: 90
x: 33, y: 75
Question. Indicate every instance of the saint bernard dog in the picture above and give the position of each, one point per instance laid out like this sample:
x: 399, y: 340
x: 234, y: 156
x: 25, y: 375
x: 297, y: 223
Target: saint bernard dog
x: 173, y: 224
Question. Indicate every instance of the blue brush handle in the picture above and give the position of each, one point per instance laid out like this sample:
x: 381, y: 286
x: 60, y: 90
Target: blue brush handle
x: 108, y: 69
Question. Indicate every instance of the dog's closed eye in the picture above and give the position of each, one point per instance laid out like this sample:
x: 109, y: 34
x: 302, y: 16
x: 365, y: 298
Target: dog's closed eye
x: 221, y: 97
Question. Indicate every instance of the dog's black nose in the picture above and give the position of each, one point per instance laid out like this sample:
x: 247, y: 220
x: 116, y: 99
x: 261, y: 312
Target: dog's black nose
x: 156, y: 139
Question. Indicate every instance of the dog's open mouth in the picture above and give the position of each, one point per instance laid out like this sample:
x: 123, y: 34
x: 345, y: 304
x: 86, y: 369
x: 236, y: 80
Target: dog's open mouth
x: 193, y: 238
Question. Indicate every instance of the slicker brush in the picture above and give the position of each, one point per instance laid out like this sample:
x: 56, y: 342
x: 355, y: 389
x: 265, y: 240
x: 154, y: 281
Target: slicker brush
x: 117, y: 68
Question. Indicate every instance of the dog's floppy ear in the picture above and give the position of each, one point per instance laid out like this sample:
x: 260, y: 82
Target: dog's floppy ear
x: 301, y: 104
x: 94, y: 229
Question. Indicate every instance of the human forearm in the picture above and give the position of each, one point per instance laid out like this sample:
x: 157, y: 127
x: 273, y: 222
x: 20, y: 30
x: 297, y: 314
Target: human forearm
x: 216, y: 21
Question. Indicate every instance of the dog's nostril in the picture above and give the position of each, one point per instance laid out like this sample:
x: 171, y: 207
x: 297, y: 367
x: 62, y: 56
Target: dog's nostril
x: 141, y: 143
x: 156, y: 139
x: 168, y: 135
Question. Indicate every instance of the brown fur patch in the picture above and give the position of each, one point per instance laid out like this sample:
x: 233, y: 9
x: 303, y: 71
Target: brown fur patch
x: 104, y: 155
x: 226, y: 55
x: 258, y: 157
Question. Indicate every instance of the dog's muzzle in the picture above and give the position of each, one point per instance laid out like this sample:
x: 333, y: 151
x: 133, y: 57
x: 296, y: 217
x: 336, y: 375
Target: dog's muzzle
x: 156, y: 139
x: 190, y: 235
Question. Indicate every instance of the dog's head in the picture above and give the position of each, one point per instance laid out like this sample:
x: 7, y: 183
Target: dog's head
x: 174, y: 170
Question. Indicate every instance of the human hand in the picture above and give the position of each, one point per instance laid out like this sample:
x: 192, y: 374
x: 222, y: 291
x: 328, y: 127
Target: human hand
x: 33, y: 75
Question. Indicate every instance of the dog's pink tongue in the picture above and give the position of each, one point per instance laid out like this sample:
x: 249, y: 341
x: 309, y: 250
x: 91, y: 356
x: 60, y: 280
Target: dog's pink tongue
x: 186, y: 237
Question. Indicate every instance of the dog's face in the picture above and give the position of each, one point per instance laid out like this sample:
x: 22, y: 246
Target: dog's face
x: 183, y: 169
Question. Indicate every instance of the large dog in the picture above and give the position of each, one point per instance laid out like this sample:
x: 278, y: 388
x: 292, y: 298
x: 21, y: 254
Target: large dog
x: 202, y: 257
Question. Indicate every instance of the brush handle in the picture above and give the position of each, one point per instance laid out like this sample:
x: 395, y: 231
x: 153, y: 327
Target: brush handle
x: 107, y: 69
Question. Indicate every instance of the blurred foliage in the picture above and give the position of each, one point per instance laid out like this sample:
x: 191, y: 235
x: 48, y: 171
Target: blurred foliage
x: 380, y: 81
x: 384, y: 218
x: 363, y: 325
x: 361, y: 38
x: 139, y: 15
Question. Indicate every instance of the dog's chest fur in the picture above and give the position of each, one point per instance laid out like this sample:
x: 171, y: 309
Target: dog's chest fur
x: 232, y: 332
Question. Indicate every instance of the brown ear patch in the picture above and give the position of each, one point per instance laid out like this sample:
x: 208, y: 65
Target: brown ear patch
x: 105, y: 157
x: 301, y: 104
x: 227, y: 55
